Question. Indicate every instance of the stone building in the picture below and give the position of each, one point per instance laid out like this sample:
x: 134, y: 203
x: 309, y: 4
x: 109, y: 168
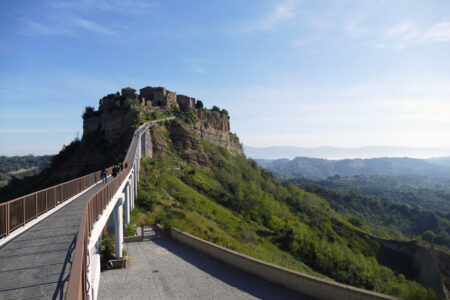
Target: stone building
x: 185, y: 103
x: 147, y: 95
x: 129, y: 93
x: 164, y: 98
x: 160, y: 97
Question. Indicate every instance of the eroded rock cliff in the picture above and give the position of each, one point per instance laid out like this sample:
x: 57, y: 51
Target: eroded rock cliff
x: 184, y: 135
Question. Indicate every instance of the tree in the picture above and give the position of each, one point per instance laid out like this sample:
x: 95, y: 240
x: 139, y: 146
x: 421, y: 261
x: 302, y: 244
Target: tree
x: 198, y: 104
x: 88, y: 111
x: 215, y: 108
x: 224, y: 112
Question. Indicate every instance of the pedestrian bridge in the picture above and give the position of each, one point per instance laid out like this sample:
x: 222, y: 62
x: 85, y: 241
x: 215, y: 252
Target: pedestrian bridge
x: 50, y: 240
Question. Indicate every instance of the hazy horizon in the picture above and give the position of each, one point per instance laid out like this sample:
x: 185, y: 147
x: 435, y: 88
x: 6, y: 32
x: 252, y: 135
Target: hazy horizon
x: 338, y: 153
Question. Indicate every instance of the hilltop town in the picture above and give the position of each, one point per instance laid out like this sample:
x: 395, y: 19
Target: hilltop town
x: 158, y: 97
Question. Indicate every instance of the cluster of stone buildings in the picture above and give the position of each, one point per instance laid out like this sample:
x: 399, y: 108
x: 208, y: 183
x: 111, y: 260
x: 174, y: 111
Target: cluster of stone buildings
x: 160, y: 97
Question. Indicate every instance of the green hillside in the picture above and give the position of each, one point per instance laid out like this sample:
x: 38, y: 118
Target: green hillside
x: 20, y: 166
x: 239, y: 205
x: 418, y: 191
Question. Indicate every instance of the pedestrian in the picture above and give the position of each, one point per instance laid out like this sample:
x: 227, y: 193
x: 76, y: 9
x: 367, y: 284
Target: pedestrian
x: 104, y: 175
x: 114, y: 171
x: 126, y: 165
x: 121, y: 167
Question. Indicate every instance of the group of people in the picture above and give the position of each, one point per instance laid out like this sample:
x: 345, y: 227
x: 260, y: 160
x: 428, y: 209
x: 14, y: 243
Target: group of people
x: 115, y: 170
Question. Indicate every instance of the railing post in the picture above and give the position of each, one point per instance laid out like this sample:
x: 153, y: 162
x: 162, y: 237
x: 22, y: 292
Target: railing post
x: 23, y: 207
x: 46, y: 200
x: 36, y: 199
x: 7, y: 219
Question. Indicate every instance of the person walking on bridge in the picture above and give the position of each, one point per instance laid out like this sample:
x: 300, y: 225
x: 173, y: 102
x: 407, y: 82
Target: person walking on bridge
x: 104, y: 175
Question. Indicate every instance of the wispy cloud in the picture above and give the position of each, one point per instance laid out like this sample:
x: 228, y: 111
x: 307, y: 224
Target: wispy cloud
x: 68, y: 26
x: 92, y: 26
x: 408, y: 33
x: 438, y: 33
x: 34, y: 130
x: 282, y: 12
x: 199, y: 69
x: 21, y: 130
x: 116, y: 6
x: 353, y: 27
x: 35, y: 28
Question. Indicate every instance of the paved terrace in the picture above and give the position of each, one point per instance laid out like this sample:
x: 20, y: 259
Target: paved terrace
x: 166, y: 269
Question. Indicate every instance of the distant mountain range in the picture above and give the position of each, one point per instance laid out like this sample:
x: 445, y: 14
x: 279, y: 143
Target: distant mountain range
x: 322, y: 168
x: 326, y: 152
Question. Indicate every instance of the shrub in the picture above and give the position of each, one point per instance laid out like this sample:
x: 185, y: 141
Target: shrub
x: 88, y: 111
x: 130, y: 230
x: 199, y: 104
x: 107, y: 248
x: 146, y: 200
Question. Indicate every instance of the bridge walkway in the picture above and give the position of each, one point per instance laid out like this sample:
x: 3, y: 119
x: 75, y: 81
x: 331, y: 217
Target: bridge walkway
x: 37, y: 263
x: 163, y: 268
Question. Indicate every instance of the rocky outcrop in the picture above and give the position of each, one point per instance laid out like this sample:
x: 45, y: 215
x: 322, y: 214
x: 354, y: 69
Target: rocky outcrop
x: 213, y: 120
x: 184, y: 135
x: 113, y: 123
x: 106, y: 136
x: 215, y: 127
x: 424, y: 266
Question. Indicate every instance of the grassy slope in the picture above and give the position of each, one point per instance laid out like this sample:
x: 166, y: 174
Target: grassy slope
x: 242, y: 207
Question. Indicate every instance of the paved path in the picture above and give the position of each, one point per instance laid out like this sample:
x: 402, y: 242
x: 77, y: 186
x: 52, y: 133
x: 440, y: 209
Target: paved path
x: 166, y: 269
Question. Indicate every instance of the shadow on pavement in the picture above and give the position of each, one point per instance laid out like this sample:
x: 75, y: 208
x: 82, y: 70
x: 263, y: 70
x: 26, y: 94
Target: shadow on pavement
x: 239, y: 279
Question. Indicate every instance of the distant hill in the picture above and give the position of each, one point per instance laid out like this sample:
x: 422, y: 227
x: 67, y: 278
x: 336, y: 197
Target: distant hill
x: 20, y: 166
x: 322, y: 168
x: 440, y: 161
x: 417, y: 191
x: 276, y: 152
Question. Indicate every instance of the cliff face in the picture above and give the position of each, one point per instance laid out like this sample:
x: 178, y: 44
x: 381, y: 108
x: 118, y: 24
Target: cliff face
x: 106, y: 136
x: 215, y: 127
x: 184, y: 136
x: 113, y: 124
x: 425, y: 265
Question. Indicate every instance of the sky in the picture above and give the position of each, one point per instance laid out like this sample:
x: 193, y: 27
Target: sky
x: 290, y: 72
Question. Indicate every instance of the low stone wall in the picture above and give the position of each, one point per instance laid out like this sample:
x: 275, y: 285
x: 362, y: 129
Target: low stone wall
x: 303, y: 283
x: 132, y: 239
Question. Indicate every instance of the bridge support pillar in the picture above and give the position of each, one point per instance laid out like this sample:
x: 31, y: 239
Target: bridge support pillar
x: 118, y: 226
x: 127, y: 204
x: 135, y: 180
x: 131, y: 188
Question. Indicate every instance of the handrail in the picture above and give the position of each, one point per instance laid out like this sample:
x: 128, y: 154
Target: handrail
x: 17, y: 212
x: 93, y: 209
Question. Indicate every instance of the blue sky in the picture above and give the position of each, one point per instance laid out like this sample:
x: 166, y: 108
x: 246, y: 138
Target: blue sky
x: 300, y: 73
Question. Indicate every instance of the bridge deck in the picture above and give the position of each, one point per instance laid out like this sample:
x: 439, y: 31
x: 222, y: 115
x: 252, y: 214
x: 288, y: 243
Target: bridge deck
x: 37, y: 263
x: 166, y: 269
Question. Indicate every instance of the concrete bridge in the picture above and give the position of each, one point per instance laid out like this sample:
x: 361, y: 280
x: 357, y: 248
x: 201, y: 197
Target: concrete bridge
x: 50, y: 239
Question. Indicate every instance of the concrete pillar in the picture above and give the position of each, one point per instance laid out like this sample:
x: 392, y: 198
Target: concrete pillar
x: 131, y: 187
x: 135, y: 181
x: 118, y: 226
x: 127, y: 204
x: 132, y: 200
x: 143, y: 143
